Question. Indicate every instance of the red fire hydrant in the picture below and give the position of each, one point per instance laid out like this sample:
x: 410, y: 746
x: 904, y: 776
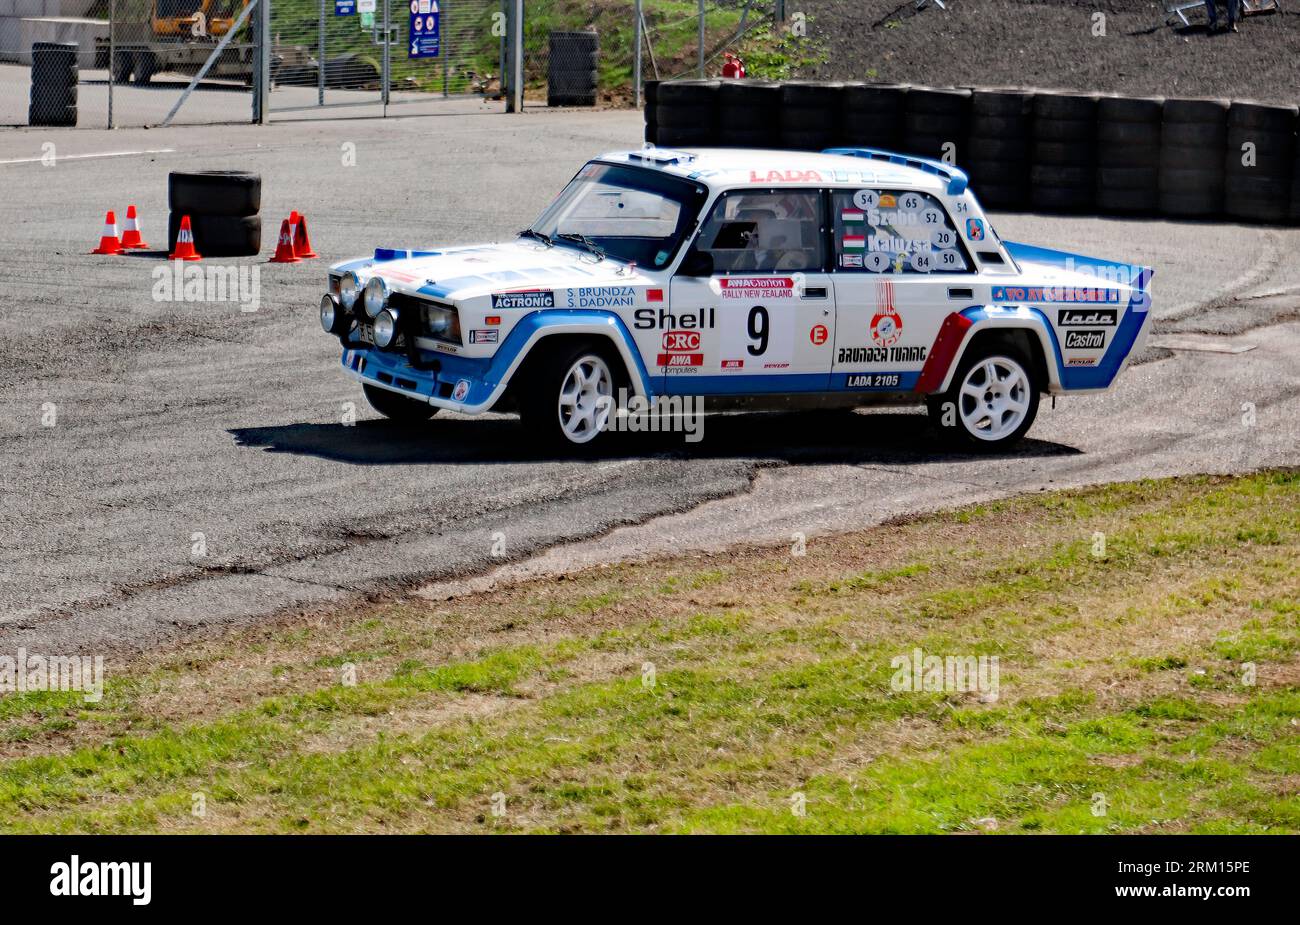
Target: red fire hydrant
x: 732, y: 65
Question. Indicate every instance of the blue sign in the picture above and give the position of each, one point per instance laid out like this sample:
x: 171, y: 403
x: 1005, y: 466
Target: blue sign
x: 422, y: 31
x: 345, y: 7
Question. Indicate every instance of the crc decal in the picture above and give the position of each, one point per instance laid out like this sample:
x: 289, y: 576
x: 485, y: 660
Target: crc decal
x: 529, y: 298
x: 1085, y: 340
x: 681, y: 341
x: 818, y: 335
x: 1086, y: 318
x: 886, y: 325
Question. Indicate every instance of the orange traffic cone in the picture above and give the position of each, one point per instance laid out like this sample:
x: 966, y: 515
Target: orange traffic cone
x: 131, y: 231
x: 108, y: 242
x: 301, y: 243
x: 284, y: 247
x: 184, y: 243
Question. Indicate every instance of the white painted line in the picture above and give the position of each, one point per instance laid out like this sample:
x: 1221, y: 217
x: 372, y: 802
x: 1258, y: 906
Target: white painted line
x: 1200, y: 346
x: 84, y: 157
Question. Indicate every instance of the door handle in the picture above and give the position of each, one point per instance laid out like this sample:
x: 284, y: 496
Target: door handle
x: 815, y: 292
x: 961, y: 293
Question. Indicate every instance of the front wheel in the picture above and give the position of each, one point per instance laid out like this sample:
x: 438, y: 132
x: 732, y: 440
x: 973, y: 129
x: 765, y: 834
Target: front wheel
x: 992, y: 401
x: 398, y: 407
x: 568, y: 396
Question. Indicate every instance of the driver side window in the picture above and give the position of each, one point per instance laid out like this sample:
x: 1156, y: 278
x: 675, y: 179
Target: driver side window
x: 773, y: 231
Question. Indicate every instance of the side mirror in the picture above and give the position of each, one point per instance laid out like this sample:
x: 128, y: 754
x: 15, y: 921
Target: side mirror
x: 696, y: 263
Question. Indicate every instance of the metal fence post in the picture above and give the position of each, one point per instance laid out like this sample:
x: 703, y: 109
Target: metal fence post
x: 112, y: 21
x: 320, y: 64
x: 262, y: 63
x: 515, y: 101
x: 701, y: 39
x: 388, y: 52
x: 636, y: 66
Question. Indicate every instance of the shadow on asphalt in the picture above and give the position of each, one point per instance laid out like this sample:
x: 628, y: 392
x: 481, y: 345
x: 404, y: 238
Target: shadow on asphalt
x: 800, y: 438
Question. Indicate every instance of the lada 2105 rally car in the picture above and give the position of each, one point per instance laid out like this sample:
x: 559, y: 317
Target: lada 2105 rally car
x: 849, y: 277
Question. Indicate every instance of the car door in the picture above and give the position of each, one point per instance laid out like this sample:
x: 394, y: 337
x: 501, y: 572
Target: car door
x: 900, y: 268
x: 760, y: 317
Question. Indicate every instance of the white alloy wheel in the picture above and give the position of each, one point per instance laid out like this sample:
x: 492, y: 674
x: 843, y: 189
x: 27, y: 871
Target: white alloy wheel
x: 994, y: 399
x: 586, y: 398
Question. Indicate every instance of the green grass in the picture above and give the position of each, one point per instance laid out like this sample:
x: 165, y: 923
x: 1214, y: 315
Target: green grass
x: 1152, y: 689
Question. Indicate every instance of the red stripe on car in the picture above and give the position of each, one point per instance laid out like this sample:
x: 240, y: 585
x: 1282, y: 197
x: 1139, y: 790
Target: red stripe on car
x: 951, y: 333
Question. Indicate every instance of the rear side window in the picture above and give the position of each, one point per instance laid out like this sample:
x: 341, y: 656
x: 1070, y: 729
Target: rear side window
x: 765, y: 232
x: 895, y: 231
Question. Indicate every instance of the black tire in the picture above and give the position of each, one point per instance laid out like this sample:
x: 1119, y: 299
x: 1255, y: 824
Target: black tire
x: 123, y: 66
x: 396, y: 407
x: 869, y: 130
x: 950, y: 103
x: 1062, y: 198
x: 690, y: 93
x: 1274, y: 154
x: 220, y: 235
x: 1196, y: 110
x: 1262, y: 116
x: 1191, y: 180
x: 701, y: 118
x: 944, y: 408
x: 811, y: 95
x: 673, y: 136
x: 52, y: 117
x: 1002, y: 195
x: 1180, y: 158
x: 1001, y: 126
x: 1191, y: 204
x: 746, y: 138
x: 1128, y: 178
x: 215, y: 192
x: 924, y: 123
x: 1049, y: 175
x: 1253, y: 209
x: 812, y: 140
x: 998, y: 173
x: 1113, y: 201
x: 1009, y: 103
x: 45, y: 97
x: 1141, y: 110
x: 875, y: 99
x: 1062, y: 154
x: 651, y: 90
x: 1077, y: 131
x: 808, y: 119
x: 1069, y: 107
x: 1193, y: 134
x: 1145, y: 134
x: 930, y: 146
x: 543, y: 377
x: 997, y: 149
x: 1128, y: 155
x: 146, y: 65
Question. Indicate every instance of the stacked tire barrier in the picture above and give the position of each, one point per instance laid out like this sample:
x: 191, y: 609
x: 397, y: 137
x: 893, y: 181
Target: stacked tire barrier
x: 997, y: 151
x: 1194, y: 135
x: 223, y: 206
x: 1128, y: 155
x: 53, y: 100
x: 571, y: 68
x: 1047, y: 150
x: 1063, y: 165
x: 1259, y: 161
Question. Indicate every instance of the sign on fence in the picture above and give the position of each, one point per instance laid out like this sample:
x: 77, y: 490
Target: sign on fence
x: 345, y: 7
x: 422, y: 35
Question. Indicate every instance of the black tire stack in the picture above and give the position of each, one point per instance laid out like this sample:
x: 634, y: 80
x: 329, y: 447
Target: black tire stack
x: 652, y: 111
x: 687, y: 113
x: 997, y: 155
x: 223, y: 207
x: 871, y: 115
x: 1193, y: 133
x: 1258, y: 188
x: 571, y: 69
x: 1063, y: 160
x: 810, y: 115
x: 1295, y: 188
x: 1128, y: 155
x: 749, y: 114
x: 53, y: 100
x: 933, y: 118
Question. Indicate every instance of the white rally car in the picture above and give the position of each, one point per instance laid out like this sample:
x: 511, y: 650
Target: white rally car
x: 749, y: 278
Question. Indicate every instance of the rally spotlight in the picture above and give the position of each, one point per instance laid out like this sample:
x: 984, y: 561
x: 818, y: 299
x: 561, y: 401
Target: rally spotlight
x: 349, y: 290
x: 376, y: 297
x: 332, y: 317
x: 386, y: 329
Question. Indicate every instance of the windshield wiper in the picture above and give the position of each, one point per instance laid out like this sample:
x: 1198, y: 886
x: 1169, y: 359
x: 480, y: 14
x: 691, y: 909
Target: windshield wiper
x: 544, y: 238
x: 584, y: 241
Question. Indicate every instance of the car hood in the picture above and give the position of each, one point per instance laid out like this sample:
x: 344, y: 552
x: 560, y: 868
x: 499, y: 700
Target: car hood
x: 465, y: 272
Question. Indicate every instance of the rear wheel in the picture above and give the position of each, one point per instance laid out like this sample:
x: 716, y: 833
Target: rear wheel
x: 398, y: 407
x: 569, y: 395
x: 992, y: 401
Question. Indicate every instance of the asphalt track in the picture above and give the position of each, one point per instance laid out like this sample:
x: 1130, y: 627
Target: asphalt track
x: 172, y: 419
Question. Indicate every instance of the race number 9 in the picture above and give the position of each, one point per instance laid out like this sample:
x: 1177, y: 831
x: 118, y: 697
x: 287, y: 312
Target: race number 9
x: 758, y: 327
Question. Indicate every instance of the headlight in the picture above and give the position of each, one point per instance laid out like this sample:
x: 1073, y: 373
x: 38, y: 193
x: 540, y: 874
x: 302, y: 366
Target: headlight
x: 349, y: 289
x: 442, y: 323
x: 385, y: 328
x: 376, y: 298
x: 332, y: 319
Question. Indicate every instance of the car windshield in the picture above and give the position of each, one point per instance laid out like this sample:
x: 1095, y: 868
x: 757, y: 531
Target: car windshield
x: 632, y: 214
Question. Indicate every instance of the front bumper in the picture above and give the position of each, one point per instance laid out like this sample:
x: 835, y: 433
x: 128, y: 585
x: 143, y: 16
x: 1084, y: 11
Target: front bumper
x: 451, y: 382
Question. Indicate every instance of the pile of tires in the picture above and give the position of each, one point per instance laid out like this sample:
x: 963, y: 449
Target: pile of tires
x: 652, y: 111
x: 749, y: 114
x: 1192, y: 138
x: 223, y: 207
x: 810, y: 115
x: 1062, y: 173
x: 1295, y: 189
x: 571, y: 64
x: 933, y: 119
x: 53, y: 100
x: 1128, y: 155
x: 871, y: 115
x: 687, y: 112
x: 1259, y: 162
x: 997, y: 154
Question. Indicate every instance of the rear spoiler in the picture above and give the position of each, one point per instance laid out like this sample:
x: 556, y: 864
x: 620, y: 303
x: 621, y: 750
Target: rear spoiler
x: 1106, y: 271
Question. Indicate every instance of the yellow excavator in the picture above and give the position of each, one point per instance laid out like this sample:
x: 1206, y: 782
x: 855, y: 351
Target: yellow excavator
x: 175, y: 35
